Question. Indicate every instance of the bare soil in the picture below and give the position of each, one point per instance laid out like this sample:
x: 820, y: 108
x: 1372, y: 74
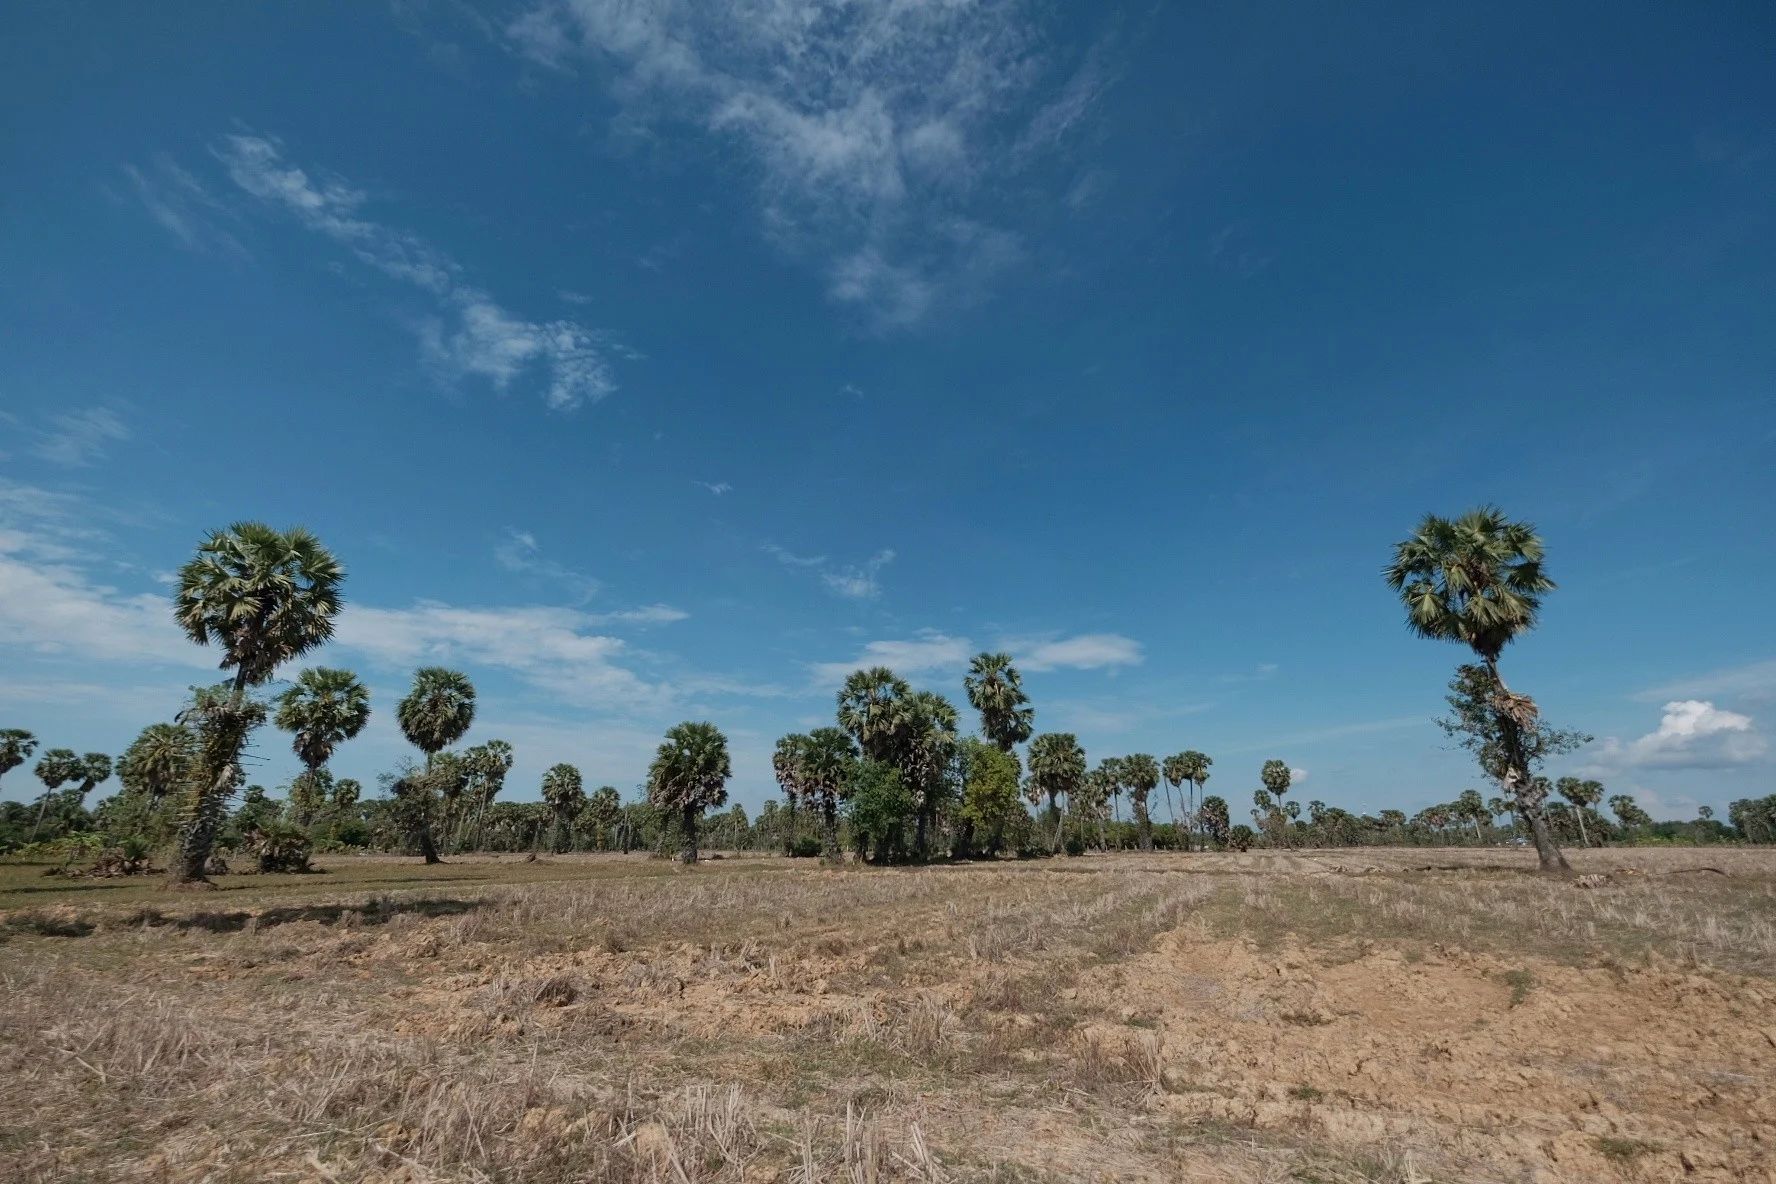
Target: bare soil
x: 1368, y: 1015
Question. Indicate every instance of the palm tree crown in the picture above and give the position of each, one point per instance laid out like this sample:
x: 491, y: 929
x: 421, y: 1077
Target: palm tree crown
x: 1057, y: 764
x: 995, y: 689
x: 787, y: 762
x: 873, y: 708
x: 157, y: 760
x: 16, y: 747
x: 323, y: 710
x: 691, y: 769
x: 564, y: 790
x: 438, y: 710
x: 57, y: 767
x: 1476, y: 579
x: 265, y: 596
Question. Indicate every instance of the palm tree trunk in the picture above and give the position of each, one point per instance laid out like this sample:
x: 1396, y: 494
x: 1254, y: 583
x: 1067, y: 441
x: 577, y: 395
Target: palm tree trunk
x: 921, y: 834
x: 688, y: 854
x: 1584, y: 839
x: 829, y: 816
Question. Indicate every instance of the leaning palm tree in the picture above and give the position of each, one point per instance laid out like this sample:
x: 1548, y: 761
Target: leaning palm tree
x: 689, y: 774
x: 1141, y: 774
x: 16, y: 747
x: 996, y: 690
x: 55, y: 768
x: 828, y: 763
x: 1583, y: 795
x: 565, y: 795
x: 322, y: 710
x: 1057, y: 768
x: 1478, y: 580
x: 787, y: 762
x: 264, y: 597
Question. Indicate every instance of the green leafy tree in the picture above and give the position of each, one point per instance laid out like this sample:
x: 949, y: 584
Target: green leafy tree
x: 1215, y: 820
x: 1583, y: 795
x: 1477, y: 580
x: 346, y: 792
x: 1057, y: 767
x: 990, y: 792
x: 321, y: 710
x: 566, y: 797
x: 16, y: 747
x: 828, y: 767
x: 1141, y: 774
x: 309, y: 794
x: 690, y: 774
x: 996, y: 690
x: 263, y: 597
x: 881, y: 807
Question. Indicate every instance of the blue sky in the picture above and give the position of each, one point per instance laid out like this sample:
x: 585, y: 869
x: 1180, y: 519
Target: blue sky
x: 653, y: 360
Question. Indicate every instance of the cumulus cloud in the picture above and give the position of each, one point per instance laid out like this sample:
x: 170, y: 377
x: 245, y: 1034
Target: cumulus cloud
x: 1692, y: 734
x: 469, y: 335
x: 870, y: 126
x: 926, y: 652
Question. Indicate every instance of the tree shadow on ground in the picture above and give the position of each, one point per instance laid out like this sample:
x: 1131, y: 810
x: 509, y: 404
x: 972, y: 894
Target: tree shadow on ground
x: 376, y: 912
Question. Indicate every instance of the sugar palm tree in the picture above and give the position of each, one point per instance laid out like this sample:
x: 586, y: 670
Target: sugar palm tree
x: 264, y: 597
x: 157, y: 761
x: 486, y: 766
x: 1583, y: 795
x: 1196, y: 771
x: 321, y: 710
x: 1141, y: 774
x: 437, y: 711
x: 927, y: 756
x: 828, y: 765
x: 1473, y: 808
x: 996, y: 690
x: 873, y: 707
x: 1172, y: 768
x: 787, y: 764
x: 16, y: 747
x: 55, y: 768
x: 689, y: 774
x: 1478, y: 580
x: 565, y: 795
x: 603, y: 808
x: 1057, y: 766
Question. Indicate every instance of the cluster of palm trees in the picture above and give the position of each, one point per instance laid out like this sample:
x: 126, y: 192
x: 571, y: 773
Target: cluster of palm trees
x: 895, y: 757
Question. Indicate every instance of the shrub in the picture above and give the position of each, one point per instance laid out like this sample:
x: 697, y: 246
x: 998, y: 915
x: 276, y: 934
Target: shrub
x: 1241, y: 837
x: 805, y: 847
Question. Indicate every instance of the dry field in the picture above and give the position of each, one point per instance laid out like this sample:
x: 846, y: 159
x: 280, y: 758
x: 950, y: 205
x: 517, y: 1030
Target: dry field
x: 1334, y: 1017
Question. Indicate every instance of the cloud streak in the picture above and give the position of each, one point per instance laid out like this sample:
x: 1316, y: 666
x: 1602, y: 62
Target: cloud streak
x: 871, y: 127
x: 860, y: 581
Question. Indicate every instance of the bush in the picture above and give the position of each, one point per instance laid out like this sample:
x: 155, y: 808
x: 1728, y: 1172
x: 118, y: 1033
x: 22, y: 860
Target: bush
x: 1075, y: 845
x: 1241, y: 837
x: 805, y: 847
x: 280, y: 847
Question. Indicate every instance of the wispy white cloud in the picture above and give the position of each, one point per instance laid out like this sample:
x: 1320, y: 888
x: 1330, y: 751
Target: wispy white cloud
x: 469, y: 335
x: 520, y: 553
x: 718, y: 488
x: 182, y: 206
x: 1692, y: 734
x: 1754, y: 682
x: 79, y: 438
x: 1087, y: 651
x: 872, y: 126
x: 854, y: 581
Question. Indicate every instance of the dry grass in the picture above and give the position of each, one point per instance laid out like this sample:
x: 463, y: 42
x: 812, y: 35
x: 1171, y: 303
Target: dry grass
x: 1348, y: 1016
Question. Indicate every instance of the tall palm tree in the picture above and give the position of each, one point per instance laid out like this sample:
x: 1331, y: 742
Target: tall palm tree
x: 1478, y: 580
x: 1473, y: 808
x: 1196, y: 771
x: 873, y: 707
x: 1582, y: 794
x: 927, y: 756
x: 566, y: 797
x: 996, y: 690
x: 603, y: 808
x: 486, y: 766
x: 16, y: 747
x: 1172, y: 768
x: 264, y: 597
x: 828, y: 765
x: 1115, y: 781
x: 55, y: 768
x: 1057, y: 767
x: 787, y: 762
x: 321, y: 710
x: 689, y: 774
x: 1141, y: 774
x: 437, y: 711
